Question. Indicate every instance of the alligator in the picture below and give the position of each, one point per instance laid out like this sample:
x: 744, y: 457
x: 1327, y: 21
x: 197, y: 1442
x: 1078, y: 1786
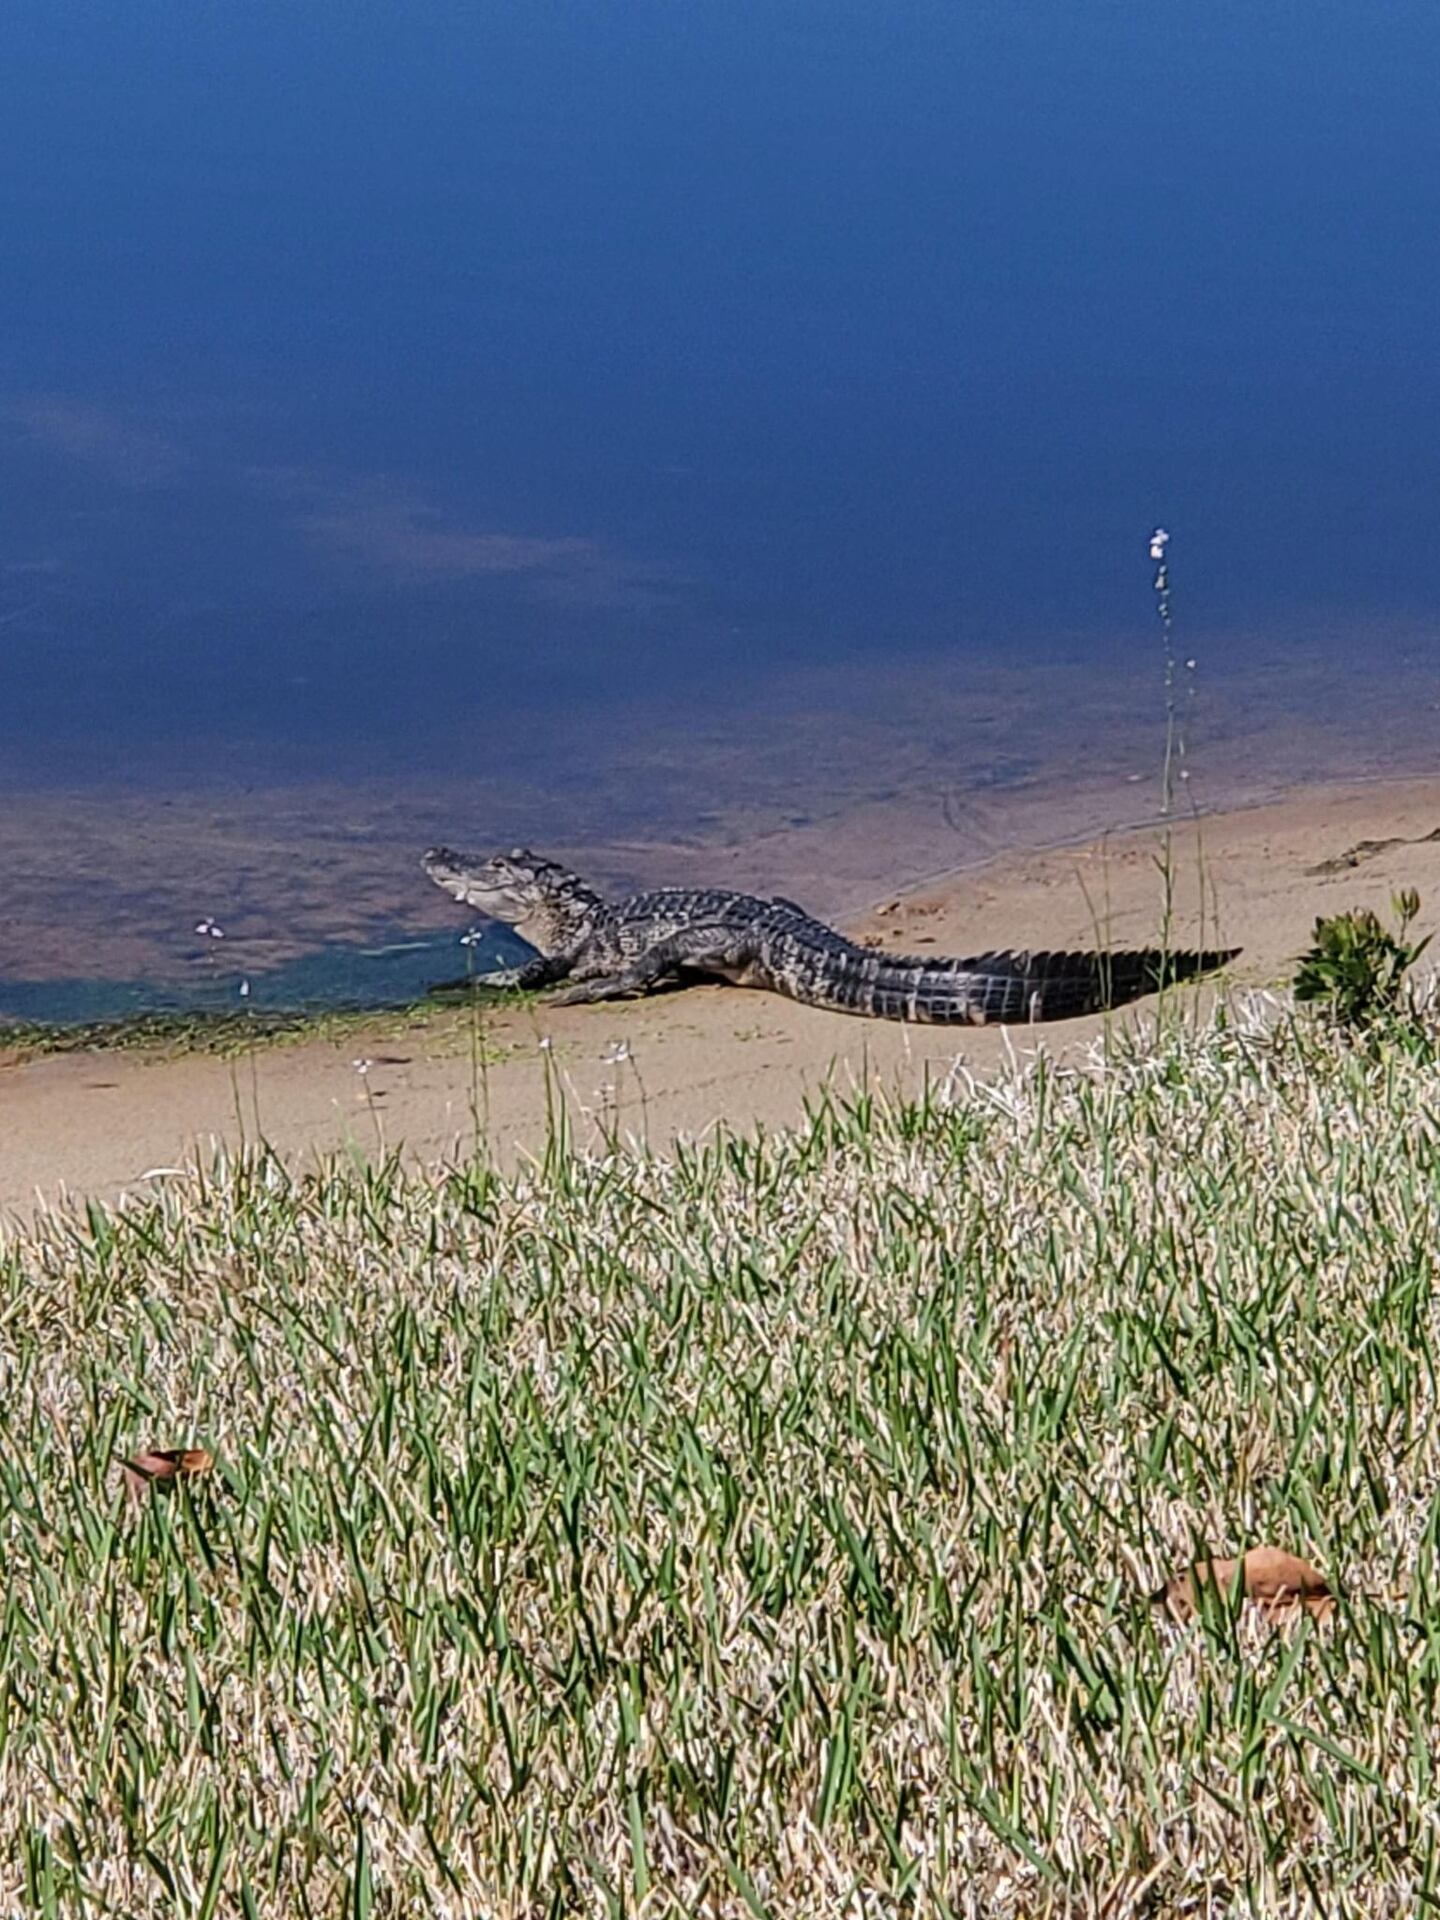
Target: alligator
x: 617, y: 950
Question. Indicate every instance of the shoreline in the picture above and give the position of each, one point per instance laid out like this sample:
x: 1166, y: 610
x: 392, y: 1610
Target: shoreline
x: 285, y: 1023
x: 833, y: 788
x: 435, y: 1083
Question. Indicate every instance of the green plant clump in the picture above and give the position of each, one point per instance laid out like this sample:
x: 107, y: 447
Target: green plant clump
x: 1356, y: 970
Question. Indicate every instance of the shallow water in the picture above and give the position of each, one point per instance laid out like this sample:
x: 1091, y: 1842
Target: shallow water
x: 684, y: 435
x: 332, y: 976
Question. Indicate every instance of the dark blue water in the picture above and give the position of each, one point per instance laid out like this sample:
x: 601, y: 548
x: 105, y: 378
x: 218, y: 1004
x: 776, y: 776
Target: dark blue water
x: 386, y: 390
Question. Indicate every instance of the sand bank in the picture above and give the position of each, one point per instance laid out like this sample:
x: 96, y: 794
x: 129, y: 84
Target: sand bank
x: 107, y: 1122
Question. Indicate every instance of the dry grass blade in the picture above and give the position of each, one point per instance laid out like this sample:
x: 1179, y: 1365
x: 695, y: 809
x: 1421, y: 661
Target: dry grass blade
x: 162, y: 1465
x: 1279, y: 1583
x: 718, y: 1532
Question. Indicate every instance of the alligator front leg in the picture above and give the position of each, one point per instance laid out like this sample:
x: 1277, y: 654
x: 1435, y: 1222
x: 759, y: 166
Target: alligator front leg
x: 543, y: 971
x: 694, y: 950
x: 629, y: 983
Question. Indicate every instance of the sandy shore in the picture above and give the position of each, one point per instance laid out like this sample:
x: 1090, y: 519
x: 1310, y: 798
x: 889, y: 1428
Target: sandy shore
x: 104, y: 1123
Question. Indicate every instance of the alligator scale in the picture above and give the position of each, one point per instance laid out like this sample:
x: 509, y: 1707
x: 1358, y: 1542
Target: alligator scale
x: 609, y: 950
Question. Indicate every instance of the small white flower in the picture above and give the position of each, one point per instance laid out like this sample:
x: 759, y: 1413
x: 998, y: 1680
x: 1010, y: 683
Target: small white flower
x: 546, y: 1043
x: 1159, y: 540
x: 362, y: 1067
x: 208, y: 927
x: 618, y: 1053
x: 473, y: 937
x: 244, y: 989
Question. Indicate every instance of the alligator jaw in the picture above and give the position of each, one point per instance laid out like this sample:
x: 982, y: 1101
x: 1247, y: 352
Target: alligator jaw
x: 547, y: 904
x: 458, y: 877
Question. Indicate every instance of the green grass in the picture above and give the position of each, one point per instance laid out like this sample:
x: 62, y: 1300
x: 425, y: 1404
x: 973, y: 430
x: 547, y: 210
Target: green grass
x: 762, y: 1531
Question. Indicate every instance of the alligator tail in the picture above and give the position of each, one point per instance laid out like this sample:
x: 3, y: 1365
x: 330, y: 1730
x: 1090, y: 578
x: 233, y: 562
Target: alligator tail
x: 1012, y: 987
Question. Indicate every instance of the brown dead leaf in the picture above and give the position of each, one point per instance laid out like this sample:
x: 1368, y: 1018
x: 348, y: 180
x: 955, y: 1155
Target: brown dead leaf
x: 1279, y: 1583
x: 160, y: 1466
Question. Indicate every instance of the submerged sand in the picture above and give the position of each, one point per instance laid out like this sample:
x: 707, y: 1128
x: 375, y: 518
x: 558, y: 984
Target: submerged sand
x: 107, y: 1123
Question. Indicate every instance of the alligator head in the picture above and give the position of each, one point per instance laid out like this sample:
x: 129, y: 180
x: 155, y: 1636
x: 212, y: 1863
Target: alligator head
x: 546, y: 903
